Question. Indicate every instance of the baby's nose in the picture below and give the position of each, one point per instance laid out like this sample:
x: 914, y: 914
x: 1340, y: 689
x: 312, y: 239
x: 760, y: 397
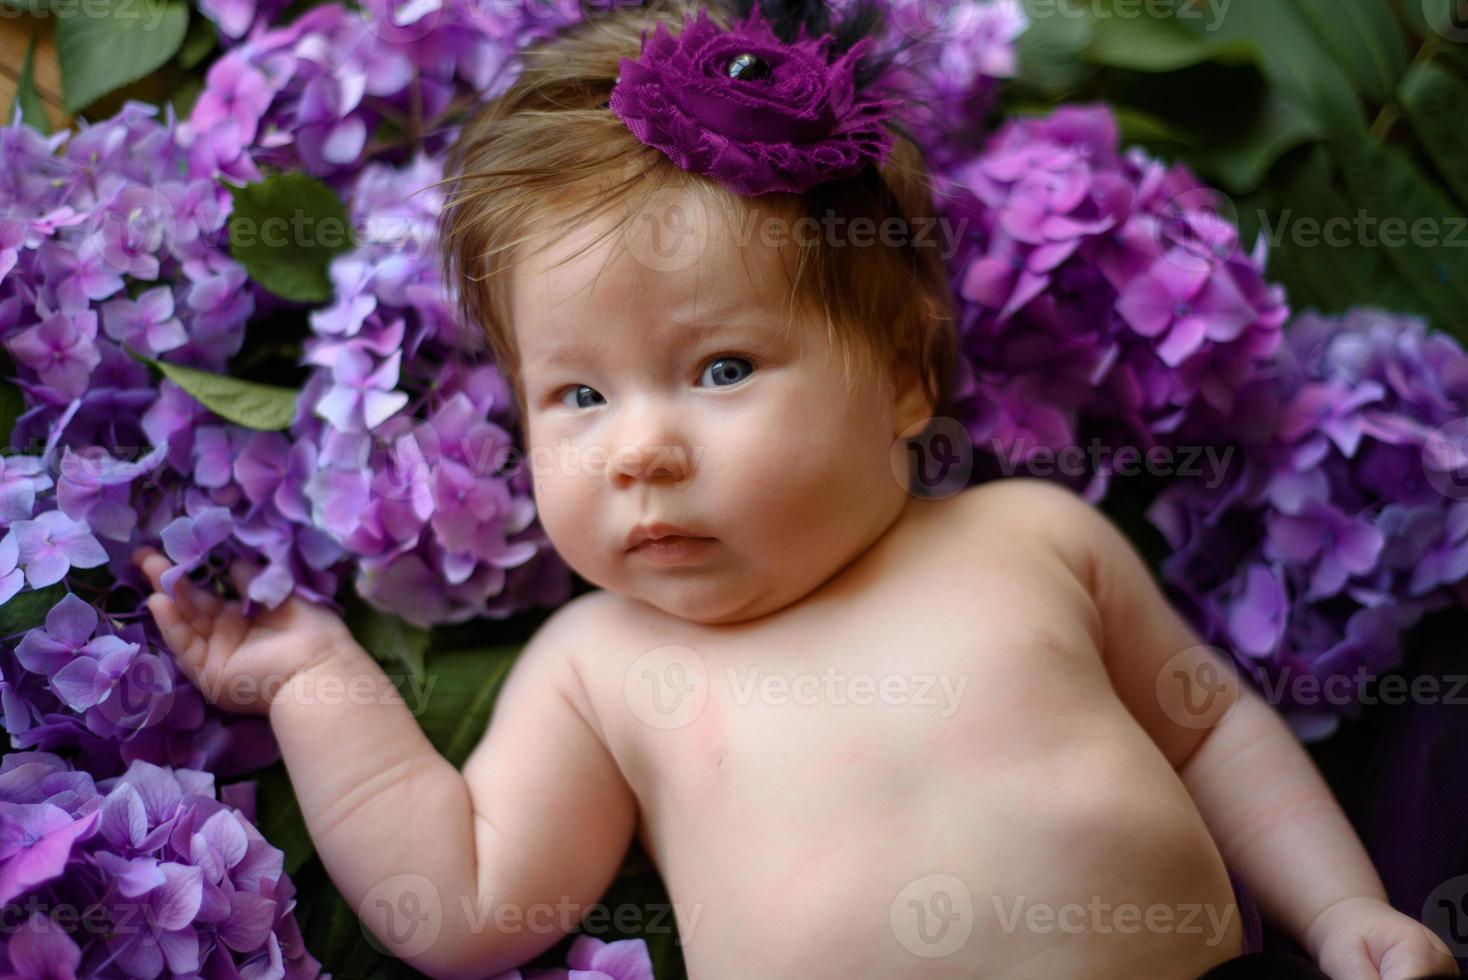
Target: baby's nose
x: 650, y: 461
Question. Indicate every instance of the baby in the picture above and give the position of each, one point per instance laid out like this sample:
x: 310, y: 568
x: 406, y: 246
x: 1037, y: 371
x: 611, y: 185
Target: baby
x: 862, y: 732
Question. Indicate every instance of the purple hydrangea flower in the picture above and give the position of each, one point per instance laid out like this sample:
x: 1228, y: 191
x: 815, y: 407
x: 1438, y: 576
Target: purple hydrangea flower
x: 1343, y: 529
x: 52, y: 544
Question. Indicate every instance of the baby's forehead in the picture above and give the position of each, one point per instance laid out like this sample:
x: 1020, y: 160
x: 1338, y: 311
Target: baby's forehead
x: 680, y: 255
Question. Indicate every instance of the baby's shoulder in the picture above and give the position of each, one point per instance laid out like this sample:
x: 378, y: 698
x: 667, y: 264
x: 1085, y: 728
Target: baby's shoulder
x: 1017, y: 515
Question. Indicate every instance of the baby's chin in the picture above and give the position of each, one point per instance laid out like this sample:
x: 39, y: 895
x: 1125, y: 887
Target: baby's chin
x: 715, y: 602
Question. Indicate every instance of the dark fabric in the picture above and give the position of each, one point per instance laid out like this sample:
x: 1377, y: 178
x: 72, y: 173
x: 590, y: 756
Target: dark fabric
x: 1248, y: 915
x: 1265, y: 966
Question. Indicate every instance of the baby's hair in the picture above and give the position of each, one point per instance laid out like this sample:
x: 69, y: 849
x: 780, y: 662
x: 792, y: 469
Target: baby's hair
x: 549, y: 143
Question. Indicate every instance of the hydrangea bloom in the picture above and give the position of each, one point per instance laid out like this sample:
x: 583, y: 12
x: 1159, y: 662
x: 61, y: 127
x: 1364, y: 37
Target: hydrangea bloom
x: 590, y: 958
x: 1349, y: 519
x: 1100, y: 297
x: 156, y: 870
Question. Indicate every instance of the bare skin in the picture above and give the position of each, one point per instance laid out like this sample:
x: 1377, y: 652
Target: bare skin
x: 973, y: 728
x: 999, y: 771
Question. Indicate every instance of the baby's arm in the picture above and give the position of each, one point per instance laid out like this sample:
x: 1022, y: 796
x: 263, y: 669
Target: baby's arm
x: 1273, y: 817
x: 513, y: 850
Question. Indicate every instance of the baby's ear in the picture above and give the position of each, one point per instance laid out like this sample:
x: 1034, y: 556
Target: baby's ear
x: 910, y: 400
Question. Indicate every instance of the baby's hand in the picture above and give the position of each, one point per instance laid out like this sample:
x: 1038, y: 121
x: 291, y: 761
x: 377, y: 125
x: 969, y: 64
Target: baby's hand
x: 1367, y: 939
x: 239, y: 664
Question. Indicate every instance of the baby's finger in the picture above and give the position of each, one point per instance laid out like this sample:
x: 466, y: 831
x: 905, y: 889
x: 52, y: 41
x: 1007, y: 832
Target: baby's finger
x: 176, y: 631
x: 1409, y: 961
x: 242, y: 573
x: 193, y: 602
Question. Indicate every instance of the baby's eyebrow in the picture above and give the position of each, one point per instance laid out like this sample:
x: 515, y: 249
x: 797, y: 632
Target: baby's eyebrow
x: 702, y: 328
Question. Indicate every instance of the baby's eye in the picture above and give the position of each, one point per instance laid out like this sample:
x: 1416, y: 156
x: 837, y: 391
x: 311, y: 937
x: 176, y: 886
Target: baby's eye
x: 727, y: 370
x: 576, y: 391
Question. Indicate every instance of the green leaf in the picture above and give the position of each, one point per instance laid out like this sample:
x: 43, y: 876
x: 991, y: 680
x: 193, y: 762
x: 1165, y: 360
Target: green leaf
x: 1149, y: 130
x: 186, y: 95
x: 36, y: 8
x: 28, y: 609
x: 246, y: 403
x: 110, y: 43
x: 390, y: 639
x: 278, y: 815
x: 1436, y: 102
x: 285, y: 230
x: 335, y: 935
x: 1314, y: 246
x: 197, y: 44
x: 1365, y: 40
x: 1388, y: 186
x: 32, y: 113
x: 1297, y: 65
x: 1240, y: 160
x: 1161, y: 44
x: 1049, y: 49
x: 12, y: 406
x: 455, y: 704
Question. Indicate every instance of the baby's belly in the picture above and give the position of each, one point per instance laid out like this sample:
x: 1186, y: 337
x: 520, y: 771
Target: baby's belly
x: 997, y: 842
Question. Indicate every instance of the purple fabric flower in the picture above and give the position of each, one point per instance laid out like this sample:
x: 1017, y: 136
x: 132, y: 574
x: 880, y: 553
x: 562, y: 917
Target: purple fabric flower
x: 792, y: 121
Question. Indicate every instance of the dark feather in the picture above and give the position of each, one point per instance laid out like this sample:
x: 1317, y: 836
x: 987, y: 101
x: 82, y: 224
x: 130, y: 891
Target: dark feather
x: 863, y: 18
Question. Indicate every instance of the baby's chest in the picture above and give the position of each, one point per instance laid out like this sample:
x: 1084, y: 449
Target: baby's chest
x: 820, y: 711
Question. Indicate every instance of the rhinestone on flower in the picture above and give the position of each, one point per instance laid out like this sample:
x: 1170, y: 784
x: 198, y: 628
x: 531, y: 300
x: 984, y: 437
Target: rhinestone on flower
x: 747, y: 67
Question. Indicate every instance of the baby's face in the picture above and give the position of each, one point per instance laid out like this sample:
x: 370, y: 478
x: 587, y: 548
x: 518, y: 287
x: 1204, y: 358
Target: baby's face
x: 667, y: 391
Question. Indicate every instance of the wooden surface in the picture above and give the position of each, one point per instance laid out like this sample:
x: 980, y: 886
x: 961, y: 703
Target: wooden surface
x: 16, y: 30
